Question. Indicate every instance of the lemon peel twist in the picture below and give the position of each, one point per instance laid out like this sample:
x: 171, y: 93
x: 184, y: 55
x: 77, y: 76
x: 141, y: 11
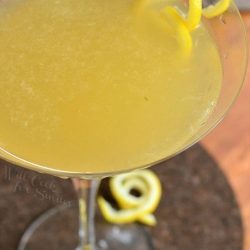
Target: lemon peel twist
x: 215, y: 10
x: 178, y: 25
x: 194, y: 14
x: 183, y: 26
x: 133, y: 208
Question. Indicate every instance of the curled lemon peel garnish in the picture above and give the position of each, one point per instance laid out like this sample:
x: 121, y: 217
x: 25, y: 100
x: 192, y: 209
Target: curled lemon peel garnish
x: 133, y: 208
x: 215, y: 10
x: 176, y: 22
x: 194, y: 14
x: 183, y: 26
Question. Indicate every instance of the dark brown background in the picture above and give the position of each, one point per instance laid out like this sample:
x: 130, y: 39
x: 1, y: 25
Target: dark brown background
x: 198, y: 209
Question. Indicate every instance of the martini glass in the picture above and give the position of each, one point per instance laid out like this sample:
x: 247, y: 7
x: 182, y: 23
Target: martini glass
x: 229, y: 35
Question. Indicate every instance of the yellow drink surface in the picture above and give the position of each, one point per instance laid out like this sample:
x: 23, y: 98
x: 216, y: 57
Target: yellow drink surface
x: 88, y: 86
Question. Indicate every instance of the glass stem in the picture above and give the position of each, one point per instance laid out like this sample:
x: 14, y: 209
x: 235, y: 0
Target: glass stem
x: 86, y: 192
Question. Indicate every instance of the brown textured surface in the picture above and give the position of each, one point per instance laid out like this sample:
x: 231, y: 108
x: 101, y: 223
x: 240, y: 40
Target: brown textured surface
x: 198, y: 209
x: 23, y: 196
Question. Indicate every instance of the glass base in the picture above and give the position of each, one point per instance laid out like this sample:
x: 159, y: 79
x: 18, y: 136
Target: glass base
x: 57, y: 229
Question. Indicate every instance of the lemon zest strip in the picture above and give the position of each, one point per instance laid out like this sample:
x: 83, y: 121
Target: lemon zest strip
x: 194, y: 14
x: 133, y: 208
x: 177, y: 23
x: 215, y: 10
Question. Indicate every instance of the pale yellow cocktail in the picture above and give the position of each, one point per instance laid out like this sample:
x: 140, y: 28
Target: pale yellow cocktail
x: 88, y: 86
